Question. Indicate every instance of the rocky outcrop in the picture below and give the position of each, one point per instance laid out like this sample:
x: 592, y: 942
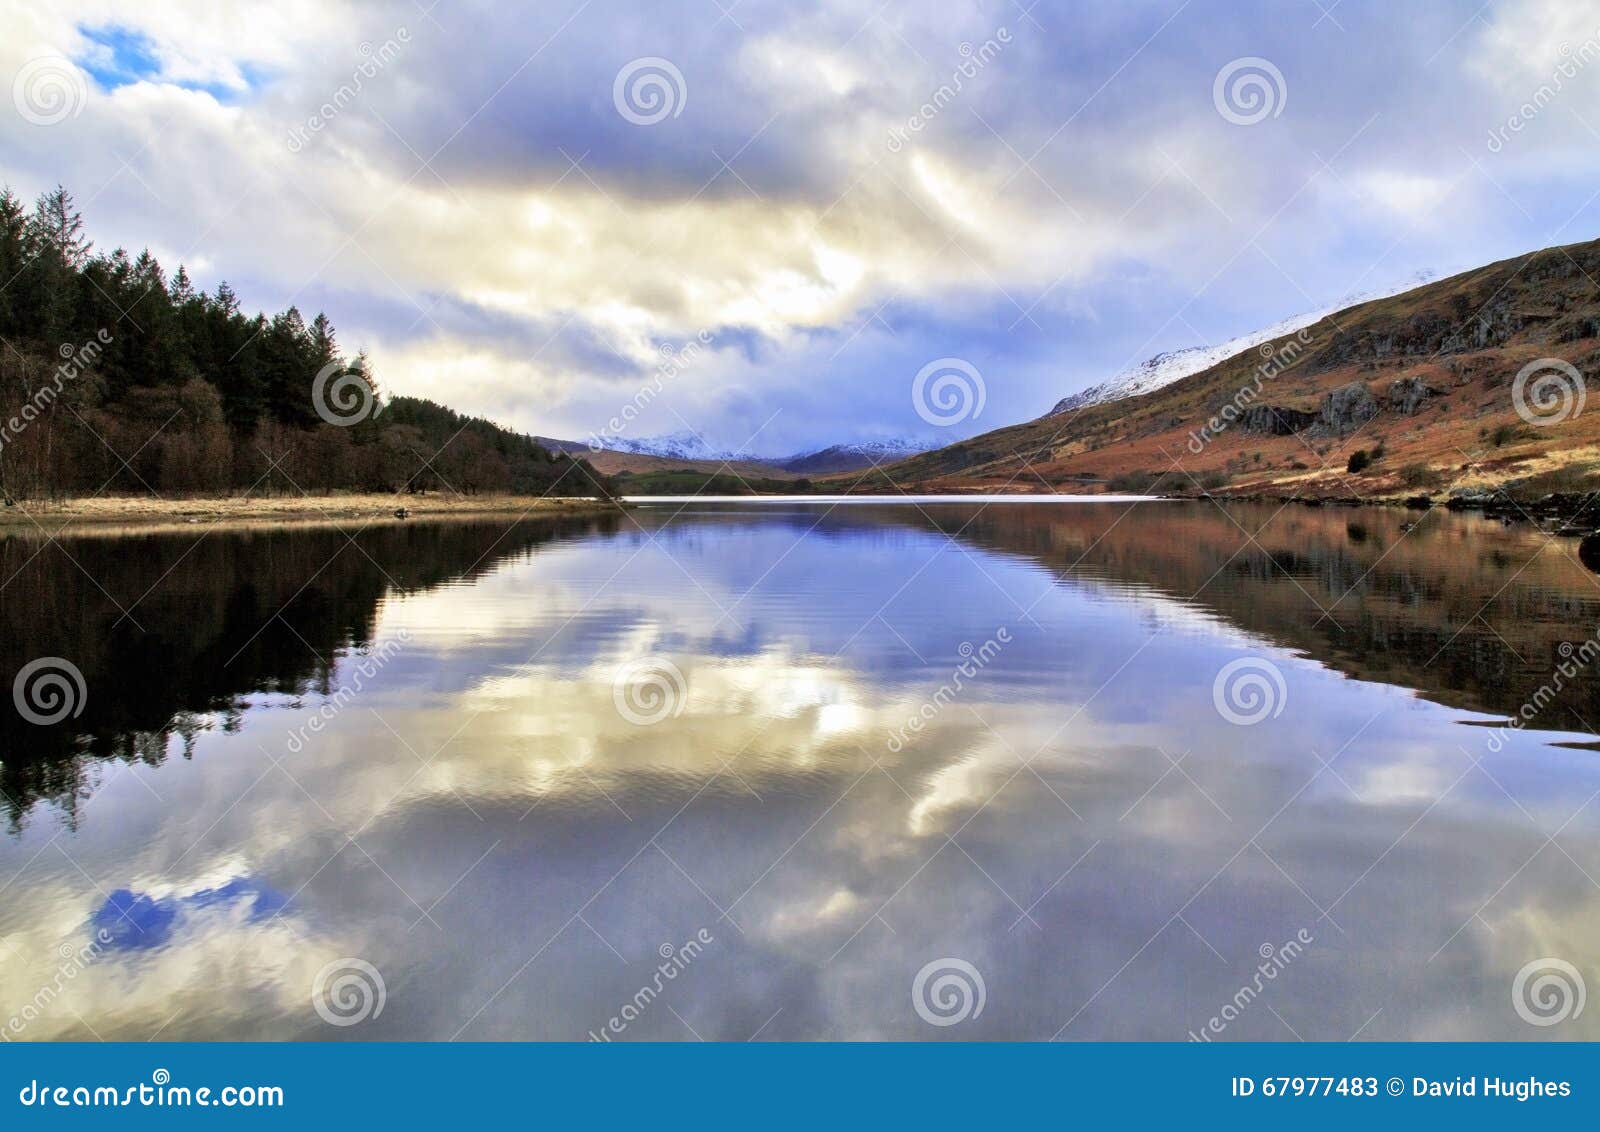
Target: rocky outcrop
x: 1576, y: 328
x: 1342, y: 411
x: 1429, y: 333
x: 1275, y: 420
x: 1345, y: 410
x: 1493, y: 326
x: 1589, y: 552
x: 1471, y: 499
x: 1562, y: 512
x: 1408, y: 395
x: 1421, y: 335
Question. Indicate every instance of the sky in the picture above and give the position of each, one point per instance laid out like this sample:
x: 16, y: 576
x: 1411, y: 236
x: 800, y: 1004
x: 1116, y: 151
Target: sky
x: 780, y: 226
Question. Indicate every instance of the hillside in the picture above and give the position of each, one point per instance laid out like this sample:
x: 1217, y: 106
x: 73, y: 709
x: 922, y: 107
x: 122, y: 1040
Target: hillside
x: 1173, y: 365
x: 1421, y: 387
x: 118, y: 379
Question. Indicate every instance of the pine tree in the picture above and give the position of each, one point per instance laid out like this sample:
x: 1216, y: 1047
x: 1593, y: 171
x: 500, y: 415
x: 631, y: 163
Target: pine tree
x: 182, y: 289
x: 58, y: 225
x: 13, y: 253
x: 324, y: 345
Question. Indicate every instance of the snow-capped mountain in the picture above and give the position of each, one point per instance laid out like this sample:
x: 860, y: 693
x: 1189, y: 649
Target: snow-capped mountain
x: 1172, y: 365
x: 688, y: 445
x: 849, y: 457
x: 683, y: 445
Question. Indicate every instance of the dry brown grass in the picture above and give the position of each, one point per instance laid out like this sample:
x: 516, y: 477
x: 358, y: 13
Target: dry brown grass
x: 108, y: 513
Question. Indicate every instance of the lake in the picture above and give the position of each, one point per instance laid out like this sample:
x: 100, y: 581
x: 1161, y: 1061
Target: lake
x: 783, y: 769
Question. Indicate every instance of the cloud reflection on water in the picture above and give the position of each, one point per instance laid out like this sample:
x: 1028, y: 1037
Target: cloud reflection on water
x: 1079, y: 823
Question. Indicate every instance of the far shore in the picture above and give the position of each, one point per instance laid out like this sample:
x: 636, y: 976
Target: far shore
x: 113, y: 514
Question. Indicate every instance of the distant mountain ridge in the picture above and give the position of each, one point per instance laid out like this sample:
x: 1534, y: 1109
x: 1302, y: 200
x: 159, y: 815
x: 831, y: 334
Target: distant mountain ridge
x: 1174, y: 365
x: 851, y: 457
x: 691, y: 448
x: 685, y: 444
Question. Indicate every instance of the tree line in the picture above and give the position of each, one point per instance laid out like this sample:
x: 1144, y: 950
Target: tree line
x: 118, y: 379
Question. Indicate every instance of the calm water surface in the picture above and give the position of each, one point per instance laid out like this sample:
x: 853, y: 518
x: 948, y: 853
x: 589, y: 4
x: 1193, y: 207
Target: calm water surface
x: 1158, y: 749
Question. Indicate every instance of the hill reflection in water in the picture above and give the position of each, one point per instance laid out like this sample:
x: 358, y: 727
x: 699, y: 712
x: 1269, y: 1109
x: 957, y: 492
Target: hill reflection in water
x: 507, y: 825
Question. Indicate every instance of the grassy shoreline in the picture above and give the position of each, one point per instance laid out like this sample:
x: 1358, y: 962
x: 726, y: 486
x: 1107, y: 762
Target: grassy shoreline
x: 114, y: 514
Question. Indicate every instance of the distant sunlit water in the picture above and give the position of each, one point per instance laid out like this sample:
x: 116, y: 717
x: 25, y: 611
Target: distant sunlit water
x: 794, y: 770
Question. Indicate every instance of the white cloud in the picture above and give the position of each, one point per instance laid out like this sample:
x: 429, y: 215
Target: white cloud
x: 1065, y: 172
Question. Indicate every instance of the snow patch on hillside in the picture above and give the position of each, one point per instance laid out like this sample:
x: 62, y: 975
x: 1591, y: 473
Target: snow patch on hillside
x: 1174, y: 365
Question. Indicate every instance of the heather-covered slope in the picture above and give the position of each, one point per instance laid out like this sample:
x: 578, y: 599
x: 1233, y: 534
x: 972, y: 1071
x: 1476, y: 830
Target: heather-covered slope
x: 1424, y: 385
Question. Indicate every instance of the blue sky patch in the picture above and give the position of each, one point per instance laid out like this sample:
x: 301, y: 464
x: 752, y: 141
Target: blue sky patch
x: 120, y: 56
